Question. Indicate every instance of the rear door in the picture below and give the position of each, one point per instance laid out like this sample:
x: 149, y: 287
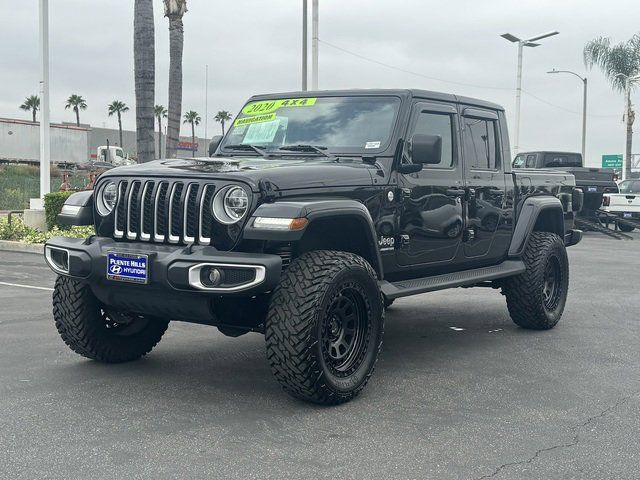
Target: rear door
x: 487, y: 232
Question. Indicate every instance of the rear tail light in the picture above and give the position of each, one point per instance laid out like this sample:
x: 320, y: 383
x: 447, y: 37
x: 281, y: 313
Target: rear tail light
x: 606, y: 200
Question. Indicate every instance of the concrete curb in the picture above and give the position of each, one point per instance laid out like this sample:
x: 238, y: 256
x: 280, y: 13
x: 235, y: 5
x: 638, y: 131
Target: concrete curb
x: 9, y: 246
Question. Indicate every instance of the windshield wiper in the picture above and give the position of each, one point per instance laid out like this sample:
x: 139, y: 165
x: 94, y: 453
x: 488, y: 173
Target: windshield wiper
x: 246, y: 146
x: 308, y: 148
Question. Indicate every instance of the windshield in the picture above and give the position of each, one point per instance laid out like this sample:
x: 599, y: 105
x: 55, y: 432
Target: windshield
x: 350, y: 125
x: 630, y: 186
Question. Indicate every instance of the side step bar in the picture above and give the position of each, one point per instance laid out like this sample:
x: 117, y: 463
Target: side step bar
x: 404, y: 288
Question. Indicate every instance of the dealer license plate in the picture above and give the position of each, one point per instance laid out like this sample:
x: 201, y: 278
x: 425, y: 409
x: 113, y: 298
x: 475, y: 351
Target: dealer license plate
x: 627, y: 215
x: 128, y: 267
x: 592, y: 189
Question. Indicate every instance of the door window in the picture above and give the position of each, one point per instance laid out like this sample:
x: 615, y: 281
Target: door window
x: 440, y: 124
x: 531, y: 161
x: 480, y: 143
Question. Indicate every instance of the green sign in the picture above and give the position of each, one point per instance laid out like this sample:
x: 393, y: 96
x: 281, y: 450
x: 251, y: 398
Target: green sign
x: 611, y: 161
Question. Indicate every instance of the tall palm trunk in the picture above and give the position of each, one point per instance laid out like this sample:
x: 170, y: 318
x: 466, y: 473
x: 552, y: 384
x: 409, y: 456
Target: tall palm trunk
x: 193, y: 139
x: 120, y: 129
x: 159, y: 137
x: 144, y: 66
x: 222, y: 122
x: 176, y: 42
x: 33, y: 112
x: 630, y: 117
x: 77, y: 110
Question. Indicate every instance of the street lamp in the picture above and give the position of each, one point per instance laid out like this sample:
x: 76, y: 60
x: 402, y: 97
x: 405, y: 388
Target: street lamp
x: 584, y: 108
x: 530, y: 42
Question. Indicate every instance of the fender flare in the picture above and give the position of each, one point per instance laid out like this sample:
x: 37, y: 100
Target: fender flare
x: 529, y: 212
x: 82, y: 203
x: 312, y: 210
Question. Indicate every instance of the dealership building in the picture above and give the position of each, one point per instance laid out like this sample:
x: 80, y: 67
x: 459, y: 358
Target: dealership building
x: 20, y: 142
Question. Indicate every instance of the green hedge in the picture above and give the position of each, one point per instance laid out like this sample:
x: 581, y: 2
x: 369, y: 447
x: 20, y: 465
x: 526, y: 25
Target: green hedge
x: 53, y: 203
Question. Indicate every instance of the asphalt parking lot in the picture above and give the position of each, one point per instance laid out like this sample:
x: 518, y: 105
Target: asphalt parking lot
x: 484, y: 399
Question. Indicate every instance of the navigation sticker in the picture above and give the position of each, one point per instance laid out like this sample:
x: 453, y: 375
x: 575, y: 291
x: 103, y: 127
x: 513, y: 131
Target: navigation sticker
x: 372, y: 145
x: 269, y: 106
x: 263, y: 132
x: 241, y: 122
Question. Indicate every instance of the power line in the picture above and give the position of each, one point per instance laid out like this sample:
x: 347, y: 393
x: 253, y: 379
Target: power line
x: 393, y: 67
x: 453, y: 82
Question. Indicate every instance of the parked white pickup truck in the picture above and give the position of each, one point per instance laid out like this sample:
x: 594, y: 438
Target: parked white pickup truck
x: 625, y: 205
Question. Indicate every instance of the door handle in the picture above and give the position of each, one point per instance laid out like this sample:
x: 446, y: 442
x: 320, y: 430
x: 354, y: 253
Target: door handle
x: 456, y: 192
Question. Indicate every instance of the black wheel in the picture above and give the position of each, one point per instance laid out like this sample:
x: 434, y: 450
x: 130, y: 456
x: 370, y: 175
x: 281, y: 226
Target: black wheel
x: 324, y: 327
x: 625, y: 227
x: 536, y: 298
x: 94, y: 331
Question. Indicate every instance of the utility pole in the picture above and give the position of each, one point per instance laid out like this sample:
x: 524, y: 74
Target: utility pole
x: 314, y: 45
x: 45, y: 144
x: 584, y: 109
x: 206, y: 99
x: 530, y: 42
x: 304, y: 45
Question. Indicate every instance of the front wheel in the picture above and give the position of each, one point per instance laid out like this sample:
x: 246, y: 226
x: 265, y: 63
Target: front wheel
x: 97, y: 332
x: 536, y: 298
x: 324, y: 327
x: 625, y: 227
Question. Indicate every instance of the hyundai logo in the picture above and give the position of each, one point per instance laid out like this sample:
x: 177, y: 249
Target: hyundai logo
x: 116, y: 269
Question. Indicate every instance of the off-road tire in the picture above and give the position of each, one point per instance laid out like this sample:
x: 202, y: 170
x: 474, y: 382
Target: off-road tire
x: 300, y: 316
x: 625, y: 227
x: 525, y: 293
x: 81, y: 324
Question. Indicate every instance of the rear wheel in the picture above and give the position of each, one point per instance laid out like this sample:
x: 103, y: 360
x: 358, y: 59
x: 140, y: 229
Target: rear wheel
x: 324, y: 327
x: 536, y: 298
x: 95, y: 331
x: 625, y: 227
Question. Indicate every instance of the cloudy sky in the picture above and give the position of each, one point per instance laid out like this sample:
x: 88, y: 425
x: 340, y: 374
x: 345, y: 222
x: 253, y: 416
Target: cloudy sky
x: 253, y: 46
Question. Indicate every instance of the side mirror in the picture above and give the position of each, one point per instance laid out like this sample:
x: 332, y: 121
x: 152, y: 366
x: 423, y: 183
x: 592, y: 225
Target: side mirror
x: 426, y: 149
x: 213, y: 144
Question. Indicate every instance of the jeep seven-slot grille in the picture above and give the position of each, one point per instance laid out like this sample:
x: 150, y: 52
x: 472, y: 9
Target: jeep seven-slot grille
x: 164, y: 211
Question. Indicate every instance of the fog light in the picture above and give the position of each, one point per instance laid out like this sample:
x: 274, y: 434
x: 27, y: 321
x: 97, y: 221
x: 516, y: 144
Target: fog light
x: 211, y: 277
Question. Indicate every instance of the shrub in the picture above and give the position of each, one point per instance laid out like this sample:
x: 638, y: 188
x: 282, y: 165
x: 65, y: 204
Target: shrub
x: 18, y: 231
x: 53, y: 203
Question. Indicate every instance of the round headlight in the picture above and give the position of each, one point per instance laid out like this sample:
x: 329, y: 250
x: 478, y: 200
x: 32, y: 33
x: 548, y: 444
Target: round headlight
x: 106, y: 199
x: 230, y: 205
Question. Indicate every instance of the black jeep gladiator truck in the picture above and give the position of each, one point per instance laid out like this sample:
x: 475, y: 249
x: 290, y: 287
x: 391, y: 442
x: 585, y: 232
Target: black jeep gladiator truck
x: 594, y: 182
x: 317, y: 211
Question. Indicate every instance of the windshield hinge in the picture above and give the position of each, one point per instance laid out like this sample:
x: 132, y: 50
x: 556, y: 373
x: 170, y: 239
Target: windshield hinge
x: 267, y: 191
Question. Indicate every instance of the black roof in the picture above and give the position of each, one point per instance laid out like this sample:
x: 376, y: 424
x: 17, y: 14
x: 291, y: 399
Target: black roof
x: 553, y: 152
x: 404, y: 93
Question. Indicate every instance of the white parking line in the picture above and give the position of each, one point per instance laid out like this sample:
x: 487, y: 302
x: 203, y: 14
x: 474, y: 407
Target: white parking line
x: 6, y: 284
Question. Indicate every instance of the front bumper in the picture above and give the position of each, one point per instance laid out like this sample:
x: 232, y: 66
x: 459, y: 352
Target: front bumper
x: 174, y: 285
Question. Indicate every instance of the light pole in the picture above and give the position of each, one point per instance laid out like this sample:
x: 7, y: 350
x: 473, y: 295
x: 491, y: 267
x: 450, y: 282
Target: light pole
x: 530, y: 42
x: 45, y: 145
x: 584, y: 109
x: 304, y: 45
x: 314, y: 44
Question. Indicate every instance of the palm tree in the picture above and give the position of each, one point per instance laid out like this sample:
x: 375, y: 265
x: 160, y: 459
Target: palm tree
x: 194, y: 119
x: 145, y: 77
x: 160, y: 113
x: 76, y: 103
x: 31, y: 104
x: 117, y: 107
x: 222, y: 116
x: 620, y: 64
x: 174, y: 10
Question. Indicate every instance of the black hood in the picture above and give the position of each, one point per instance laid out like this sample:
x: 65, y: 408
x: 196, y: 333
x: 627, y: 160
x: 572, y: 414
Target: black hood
x: 282, y: 173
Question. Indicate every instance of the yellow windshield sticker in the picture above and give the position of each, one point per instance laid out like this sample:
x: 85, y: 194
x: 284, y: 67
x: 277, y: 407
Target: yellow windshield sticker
x: 268, y: 106
x: 241, y: 122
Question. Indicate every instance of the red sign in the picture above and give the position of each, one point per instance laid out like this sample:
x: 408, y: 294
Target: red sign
x: 187, y: 146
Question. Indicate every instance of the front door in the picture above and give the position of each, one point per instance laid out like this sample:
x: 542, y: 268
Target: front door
x: 431, y: 219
